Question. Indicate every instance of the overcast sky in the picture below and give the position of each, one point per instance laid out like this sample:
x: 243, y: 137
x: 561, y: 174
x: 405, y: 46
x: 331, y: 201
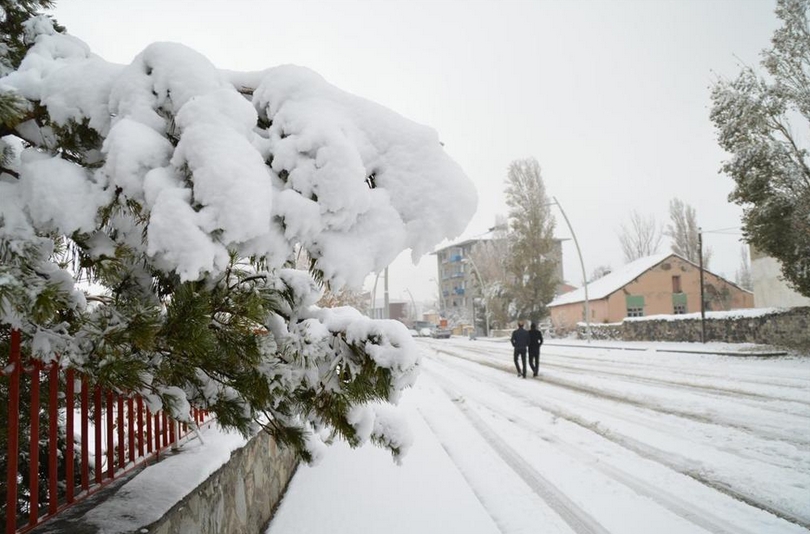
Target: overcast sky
x: 611, y: 97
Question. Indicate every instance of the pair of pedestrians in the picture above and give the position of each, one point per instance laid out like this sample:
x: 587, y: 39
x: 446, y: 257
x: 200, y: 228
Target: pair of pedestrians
x: 531, y: 340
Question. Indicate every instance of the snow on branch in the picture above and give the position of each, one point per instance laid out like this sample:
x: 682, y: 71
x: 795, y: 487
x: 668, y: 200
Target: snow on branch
x: 183, y: 192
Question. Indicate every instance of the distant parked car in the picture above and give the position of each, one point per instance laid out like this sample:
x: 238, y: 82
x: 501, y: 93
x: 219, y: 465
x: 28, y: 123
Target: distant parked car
x: 440, y: 333
x: 424, y: 328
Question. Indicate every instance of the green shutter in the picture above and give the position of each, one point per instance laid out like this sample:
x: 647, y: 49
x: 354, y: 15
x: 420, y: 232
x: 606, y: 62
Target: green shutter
x: 679, y: 299
x: 635, y: 301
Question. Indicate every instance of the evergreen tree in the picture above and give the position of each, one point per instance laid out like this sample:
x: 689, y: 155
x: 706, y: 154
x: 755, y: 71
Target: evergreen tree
x: 531, y: 264
x: 762, y: 122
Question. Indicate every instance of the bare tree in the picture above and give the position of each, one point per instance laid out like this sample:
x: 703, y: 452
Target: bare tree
x: 640, y: 237
x: 600, y: 272
x: 683, y: 230
x: 743, y: 275
x: 491, y: 259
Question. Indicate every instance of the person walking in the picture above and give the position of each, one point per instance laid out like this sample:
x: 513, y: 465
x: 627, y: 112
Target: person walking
x: 535, y: 341
x: 520, y: 341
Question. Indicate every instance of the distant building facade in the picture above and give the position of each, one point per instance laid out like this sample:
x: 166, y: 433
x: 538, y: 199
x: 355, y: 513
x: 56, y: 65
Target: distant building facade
x: 770, y: 290
x: 457, y: 281
x: 397, y: 310
x: 664, y: 284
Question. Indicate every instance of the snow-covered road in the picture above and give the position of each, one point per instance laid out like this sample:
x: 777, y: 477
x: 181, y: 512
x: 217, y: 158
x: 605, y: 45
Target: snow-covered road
x: 610, y: 441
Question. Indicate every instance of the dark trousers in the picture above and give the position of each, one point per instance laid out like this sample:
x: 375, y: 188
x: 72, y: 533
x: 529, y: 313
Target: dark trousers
x: 534, y: 360
x: 522, y: 354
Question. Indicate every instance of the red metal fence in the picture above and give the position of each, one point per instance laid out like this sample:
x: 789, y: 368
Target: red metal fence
x: 116, y: 433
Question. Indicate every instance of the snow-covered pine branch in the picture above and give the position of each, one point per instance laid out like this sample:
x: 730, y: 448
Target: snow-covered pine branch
x: 182, y: 190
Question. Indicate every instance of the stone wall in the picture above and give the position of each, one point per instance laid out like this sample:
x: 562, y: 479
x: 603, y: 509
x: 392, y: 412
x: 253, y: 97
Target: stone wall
x: 603, y: 331
x: 237, y: 499
x: 788, y: 328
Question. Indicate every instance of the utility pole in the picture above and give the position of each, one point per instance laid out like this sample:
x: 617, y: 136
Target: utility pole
x: 702, y: 305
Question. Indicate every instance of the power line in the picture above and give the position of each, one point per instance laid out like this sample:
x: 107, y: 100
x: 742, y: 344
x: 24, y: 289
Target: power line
x: 732, y: 230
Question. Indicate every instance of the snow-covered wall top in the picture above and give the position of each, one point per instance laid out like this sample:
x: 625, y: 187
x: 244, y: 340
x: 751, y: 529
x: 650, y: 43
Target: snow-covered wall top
x: 223, y: 162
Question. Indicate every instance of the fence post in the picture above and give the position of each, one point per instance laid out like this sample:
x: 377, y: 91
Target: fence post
x: 53, y: 432
x: 97, y: 434
x: 33, y: 464
x: 13, y: 452
x: 85, y: 414
x: 120, y: 427
x: 69, y: 403
x: 110, y: 437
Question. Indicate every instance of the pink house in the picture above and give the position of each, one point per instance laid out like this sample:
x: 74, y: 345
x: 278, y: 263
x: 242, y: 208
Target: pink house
x: 663, y: 284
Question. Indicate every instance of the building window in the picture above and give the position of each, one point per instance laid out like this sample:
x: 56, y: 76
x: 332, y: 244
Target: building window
x: 676, y: 284
x: 635, y: 312
x: 635, y: 305
x: 678, y: 303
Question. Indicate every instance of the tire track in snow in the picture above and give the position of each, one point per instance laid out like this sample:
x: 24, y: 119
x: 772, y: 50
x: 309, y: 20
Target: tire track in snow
x: 700, y: 517
x: 720, y: 390
x: 686, y: 414
x: 676, y: 384
x: 470, y: 483
x: 788, y: 382
x: 650, y: 453
x: 580, y: 521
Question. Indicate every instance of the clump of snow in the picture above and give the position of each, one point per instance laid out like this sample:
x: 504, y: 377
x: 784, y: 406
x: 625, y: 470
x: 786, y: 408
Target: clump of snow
x: 350, y: 181
x: 58, y: 194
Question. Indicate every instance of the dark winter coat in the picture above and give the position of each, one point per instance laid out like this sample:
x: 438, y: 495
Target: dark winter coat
x: 520, y: 338
x: 535, y: 340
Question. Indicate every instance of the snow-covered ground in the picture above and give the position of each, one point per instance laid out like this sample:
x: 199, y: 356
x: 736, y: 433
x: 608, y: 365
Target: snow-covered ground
x: 602, y: 441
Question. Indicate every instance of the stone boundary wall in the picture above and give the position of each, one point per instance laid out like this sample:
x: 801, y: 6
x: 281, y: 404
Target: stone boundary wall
x: 239, y: 498
x: 788, y: 328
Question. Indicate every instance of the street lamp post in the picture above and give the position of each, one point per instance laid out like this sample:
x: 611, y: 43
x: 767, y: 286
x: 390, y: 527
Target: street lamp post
x: 582, y: 265
x: 413, y: 302
x: 702, y: 297
x: 481, y: 283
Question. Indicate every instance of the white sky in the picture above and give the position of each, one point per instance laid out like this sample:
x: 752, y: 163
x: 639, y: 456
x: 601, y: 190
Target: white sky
x: 612, y: 98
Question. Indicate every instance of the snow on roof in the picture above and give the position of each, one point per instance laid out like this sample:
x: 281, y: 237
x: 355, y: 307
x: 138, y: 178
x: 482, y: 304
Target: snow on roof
x: 609, y: 283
